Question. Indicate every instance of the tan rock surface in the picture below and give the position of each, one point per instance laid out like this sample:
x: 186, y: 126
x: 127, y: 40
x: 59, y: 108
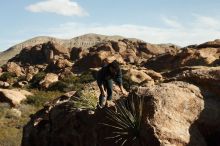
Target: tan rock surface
x: 12, y: 67
x: 48, y: 79
x: 13, y: 97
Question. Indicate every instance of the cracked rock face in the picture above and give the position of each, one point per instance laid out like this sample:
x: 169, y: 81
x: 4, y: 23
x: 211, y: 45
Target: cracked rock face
x: 170, y: 115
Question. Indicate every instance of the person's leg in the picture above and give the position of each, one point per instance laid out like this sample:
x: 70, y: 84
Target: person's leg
x: 102, y: 98
x: 109, y: 94
x: 109, y: 87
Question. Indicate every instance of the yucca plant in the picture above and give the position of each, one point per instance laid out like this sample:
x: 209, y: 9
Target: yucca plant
x: 125, y: 121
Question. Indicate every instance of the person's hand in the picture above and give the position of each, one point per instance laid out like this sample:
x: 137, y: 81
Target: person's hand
x: 110, y: 103
x: 124, y: 92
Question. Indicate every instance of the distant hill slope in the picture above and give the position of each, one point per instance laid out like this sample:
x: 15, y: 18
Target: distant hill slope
x: 83, y: 41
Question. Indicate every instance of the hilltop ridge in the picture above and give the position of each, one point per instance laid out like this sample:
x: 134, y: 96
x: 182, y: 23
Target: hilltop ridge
x: 84, y: 41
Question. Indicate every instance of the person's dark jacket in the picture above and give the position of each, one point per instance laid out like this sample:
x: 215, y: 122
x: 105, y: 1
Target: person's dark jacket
x: 104, y: 74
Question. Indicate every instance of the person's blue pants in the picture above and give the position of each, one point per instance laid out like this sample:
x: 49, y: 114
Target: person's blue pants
x: 108, y: 85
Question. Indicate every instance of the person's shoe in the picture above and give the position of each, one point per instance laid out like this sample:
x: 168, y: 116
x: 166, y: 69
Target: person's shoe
x: 99, y: 106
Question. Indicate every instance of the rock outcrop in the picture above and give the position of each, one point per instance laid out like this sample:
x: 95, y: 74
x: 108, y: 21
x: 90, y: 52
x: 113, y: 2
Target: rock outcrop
x: 211, y: 44
x: 137, y: 76
x: 178, y: 88
x: 186, y: 57
x: 124, y: 51
x: 172, y: 115
x: 4, y: 84
x: 13, y: 97
x: 84, y: 41
x: 12, y: 67
x: 48, y: 80
x: 205, y: 77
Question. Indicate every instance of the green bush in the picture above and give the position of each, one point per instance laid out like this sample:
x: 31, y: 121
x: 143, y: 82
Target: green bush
x: 7, y: 77
x: 87, y: 100
x: 72, y: 83
x: 11, y: 127
x: 21, y: 78
x: 58, y: 86
x: 36, y: 79
x: 86, y: 77
x: 41, y: 97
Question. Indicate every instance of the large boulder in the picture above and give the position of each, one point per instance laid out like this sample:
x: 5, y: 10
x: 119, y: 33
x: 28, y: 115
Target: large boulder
x: 76, y: 54
x: 205, y: 77
x: 41, y: 53
x: 185, y: 57
x: 4, y: 84
x: 95, y: 60
x: 172, y: 115
x: 169, y: 113
x: 12, y: 67
x: 157, y: 49
x: 136, y: 76
x: 210, y: 44
x: 119, y: 46
x: 13, y: 97
x: 171, y: 110
x: 48, y: 80
x: 63, y: 63
x: 30, y: 72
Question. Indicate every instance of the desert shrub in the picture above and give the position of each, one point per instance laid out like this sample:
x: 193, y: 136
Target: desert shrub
x: 41, y: 97
x: 70, y: 79
x: 36, y: 79
x: 63, y: 86
x: 7, y: 77
x: 10, y: 136
x: 125, y: 122
x: 86, y: 77
x: 21, y: 78
x: 72, y: 83
x: 87, y: 100
x: 11, y: 127
x: 58, y: 86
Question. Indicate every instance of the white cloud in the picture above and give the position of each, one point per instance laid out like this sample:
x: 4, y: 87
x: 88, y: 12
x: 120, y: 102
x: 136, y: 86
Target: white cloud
x: 206, y: 22
x: 181, y: 34
x: 172, y: 22
x: 201, y: 29
x: 62, y: 7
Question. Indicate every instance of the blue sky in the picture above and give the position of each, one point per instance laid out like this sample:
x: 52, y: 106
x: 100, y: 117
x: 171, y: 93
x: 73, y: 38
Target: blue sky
x: 181, y: 22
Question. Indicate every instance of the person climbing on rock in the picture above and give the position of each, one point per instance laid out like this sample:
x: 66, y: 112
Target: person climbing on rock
x: 105, y: 77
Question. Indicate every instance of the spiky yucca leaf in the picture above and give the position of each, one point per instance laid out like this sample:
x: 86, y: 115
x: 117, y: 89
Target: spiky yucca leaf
x: 125, y: 121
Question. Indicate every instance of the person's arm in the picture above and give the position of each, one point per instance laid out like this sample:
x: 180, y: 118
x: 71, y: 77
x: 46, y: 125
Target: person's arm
x: 118, y: 81
x: 123, y: 90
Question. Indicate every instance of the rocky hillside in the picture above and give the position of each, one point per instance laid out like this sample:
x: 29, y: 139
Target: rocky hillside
x: 173, y: 99
x: 173, y: 113
x: 83, y: 41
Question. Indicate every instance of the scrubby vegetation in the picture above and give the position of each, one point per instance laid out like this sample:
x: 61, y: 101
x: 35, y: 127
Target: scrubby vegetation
x: 40, y: 97
x: 72, y: 83
x: 11, y: 124
x: 8, y: 77
x: 87, y: 100
x: 36, y: 79
x: 126, y: 121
